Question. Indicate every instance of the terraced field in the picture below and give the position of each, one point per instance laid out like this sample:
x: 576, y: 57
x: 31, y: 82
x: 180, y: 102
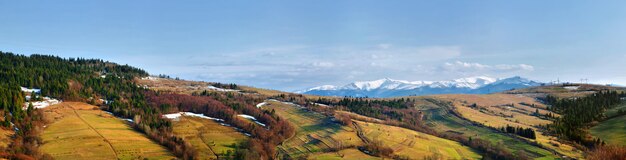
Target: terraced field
x: 498, y: 110
x: 82, y: 131
x: 442, y: 120
x: 211, y: 139
x: 315, y: 133
x: 415, y: 145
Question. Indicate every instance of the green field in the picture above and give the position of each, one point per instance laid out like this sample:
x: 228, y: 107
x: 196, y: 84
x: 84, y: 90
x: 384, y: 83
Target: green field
x: 443, y: 121
x: 612, y: 131
x: 211, y: 139
x: 315, y: 133
x: 80, y: 131
x: 415, y: 144
x: 614, y: 111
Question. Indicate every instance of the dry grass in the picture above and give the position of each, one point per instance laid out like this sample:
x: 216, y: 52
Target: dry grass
x: 495, y: 110
x: 5, y: 137
x: 608, y: 152
x: 171, y: 85
x: 209, y: 138
x: 315, y: 133
x: 416, y: 145
x: 562, y: 92
x: 81, y: 131
x: 343, y: 154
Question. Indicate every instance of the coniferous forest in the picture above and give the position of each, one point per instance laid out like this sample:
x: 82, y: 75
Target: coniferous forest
x: 577, y: 113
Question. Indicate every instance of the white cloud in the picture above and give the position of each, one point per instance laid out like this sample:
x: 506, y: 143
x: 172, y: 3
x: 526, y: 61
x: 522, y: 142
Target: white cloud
x: 323, y: 64
x: 459, y: 66
x: 270, y: 67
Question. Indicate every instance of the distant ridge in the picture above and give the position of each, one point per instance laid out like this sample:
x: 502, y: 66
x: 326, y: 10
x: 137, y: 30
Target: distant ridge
x: 393, y: 88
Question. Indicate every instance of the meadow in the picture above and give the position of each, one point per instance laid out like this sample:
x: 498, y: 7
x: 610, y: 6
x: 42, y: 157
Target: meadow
x: 82, y: 131
x: 499, y: 110
x: 315, y: 133
x: 211, y: 139
x: 611, y: 131
x: 443, y: 121
x: 416, y: 145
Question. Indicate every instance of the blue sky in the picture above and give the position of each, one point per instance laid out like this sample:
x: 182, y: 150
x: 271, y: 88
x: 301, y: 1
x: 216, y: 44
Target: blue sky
x: 290, y: 45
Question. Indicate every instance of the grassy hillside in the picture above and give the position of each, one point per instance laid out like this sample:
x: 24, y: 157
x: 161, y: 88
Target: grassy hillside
x: 612, y: 131
x: 499, y: 110
x: 82, y: 131
x: 416, y: 145
x: 315, y: 133
x: 565, y: 90
x: 350, y: 153
x: 210, y: 139
x: 441, y: 119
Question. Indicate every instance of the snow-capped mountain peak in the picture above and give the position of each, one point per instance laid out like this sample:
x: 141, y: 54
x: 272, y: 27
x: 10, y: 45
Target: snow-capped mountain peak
x: 387, y: 87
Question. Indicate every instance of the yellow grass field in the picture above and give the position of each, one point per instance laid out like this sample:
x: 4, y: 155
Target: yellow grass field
x: 495, y: 110
x: 211, y: 139
x: 343, y: 154
x: 415, y: 145
x: 5, y: 137
x: 82, y: 131
x: 315, y: 133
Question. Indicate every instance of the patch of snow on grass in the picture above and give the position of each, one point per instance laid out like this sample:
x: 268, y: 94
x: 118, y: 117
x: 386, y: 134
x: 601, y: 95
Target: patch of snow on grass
x: 28, y: 90
x: 47, y: 101
x: 288, y: 103
x: 191, y: 114
x: 319, y: 104
x: 571, y: 87
x: 221, y: 89
x: 261, y: 104
x: 150, y: 78
x: 129, y: 120
x: 251, y: 118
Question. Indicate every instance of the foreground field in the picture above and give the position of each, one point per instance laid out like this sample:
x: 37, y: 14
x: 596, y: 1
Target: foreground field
x: 82, y: 131
x: 211, y: 139
x: 315, y: 133
x: 416, y: 145
x: 351, y: 153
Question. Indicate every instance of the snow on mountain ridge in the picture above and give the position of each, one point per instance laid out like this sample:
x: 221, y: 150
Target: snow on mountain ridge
x: 388, y: 83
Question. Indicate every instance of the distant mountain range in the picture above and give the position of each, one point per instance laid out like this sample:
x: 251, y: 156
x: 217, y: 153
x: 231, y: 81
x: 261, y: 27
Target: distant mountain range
x: 394, y: 88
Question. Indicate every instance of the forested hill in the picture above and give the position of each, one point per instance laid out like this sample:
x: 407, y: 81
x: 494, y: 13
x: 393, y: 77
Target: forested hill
x: 87, y: 80
x: 68, y: 79
x: 54, y: 75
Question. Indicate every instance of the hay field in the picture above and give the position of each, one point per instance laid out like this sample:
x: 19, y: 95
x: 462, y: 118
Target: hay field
x: 82, y: 131
x: 211, y: 139
x: 350, y: 153
x: 415, y: 145
x: 315, y: 133
x: 498, y: 110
